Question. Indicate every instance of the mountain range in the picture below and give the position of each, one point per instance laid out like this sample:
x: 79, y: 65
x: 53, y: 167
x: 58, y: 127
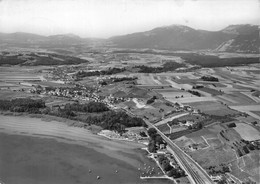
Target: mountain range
x: 234, y: 38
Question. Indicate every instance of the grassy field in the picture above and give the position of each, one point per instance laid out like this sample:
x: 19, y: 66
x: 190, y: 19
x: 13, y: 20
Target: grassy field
x: 7, y: 94
x: 217, y: 151
x: 247, y: 109
x: 243, y: 99
x: 213, y: 108
x: 212, y: 156
x: 252, y: 165
x: 247, y: 132
x: 146, y: 79
x: 256, y: 112
x: 211, y: 91
x: 173, y: 94
x: 247, y: 167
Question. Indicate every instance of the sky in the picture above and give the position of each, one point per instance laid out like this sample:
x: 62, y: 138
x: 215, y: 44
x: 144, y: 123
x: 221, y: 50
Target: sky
x: 106, y: 18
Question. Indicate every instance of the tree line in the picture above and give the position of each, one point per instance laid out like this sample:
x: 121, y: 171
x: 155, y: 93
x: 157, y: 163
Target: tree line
x: 110, y: 71
x: 96, y: 113
x: 22, y: 105
x: 168, y: 66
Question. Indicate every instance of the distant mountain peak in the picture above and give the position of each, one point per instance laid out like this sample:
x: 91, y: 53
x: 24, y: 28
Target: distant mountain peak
x: 234, y: 38
x: 240, y: 29
x: 68, y: 35
x: 175, y: 27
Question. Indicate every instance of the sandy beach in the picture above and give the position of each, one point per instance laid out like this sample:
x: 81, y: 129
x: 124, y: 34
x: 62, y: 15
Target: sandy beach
x: 36, y: 151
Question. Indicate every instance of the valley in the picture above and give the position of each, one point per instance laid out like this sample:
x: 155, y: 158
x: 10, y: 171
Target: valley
x: 106, y: 109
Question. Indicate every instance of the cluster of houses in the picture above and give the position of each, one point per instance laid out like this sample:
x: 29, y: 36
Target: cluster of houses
x: 78, y: 92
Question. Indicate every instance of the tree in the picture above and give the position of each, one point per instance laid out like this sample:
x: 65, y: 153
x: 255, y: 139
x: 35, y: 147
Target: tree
x: 231, y: 125
x: 200, y: 126
x: 151, y: 131
x: 166, y: 165
x: 158, y: 139
x: 161, y: 158
x: 143, y: 134
x: 151, y: 147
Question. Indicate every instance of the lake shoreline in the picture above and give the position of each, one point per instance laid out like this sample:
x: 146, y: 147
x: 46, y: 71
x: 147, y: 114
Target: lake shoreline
x: 123, y: 156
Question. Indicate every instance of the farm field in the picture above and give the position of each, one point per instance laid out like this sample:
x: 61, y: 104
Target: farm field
x: 174, y: 116
x: 247, y: 132
x: 249, y: 168
x: 216, y: 151
x: 252, y: 165
x: 173, y: 93
x: 147, y: 79
x: 240, y: 98
x: 7, y: 94
x: 211, y: 91
x: 188, y: 100
x: 17, y: 74
x: 256, y: 112
x: 213, y: 108
x: 247, y: 109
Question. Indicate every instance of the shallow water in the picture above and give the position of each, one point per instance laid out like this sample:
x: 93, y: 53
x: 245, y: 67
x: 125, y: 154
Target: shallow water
x: 27, y: 158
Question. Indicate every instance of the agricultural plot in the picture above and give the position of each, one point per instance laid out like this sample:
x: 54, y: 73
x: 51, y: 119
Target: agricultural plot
x: 211, y: 91
x: 155, y: 79
x: 240, y: 98
x: 227, y: 100
x: 212, y: 156
x: 175, y: 116
x: 5, y: 85
x: 249, y: 95
x: 237, y: 172
x: 164, y: 128
x: 146, y: 79
x: 172, y: 93
x: 152, y: 114
x: 218, y: 152
x: 191, y: 117
x: 7, y: 94
x: 212, y: 84
x: 213, y: 108
x: 175, y: 129
x: 247, y: 132
x: 162, y: 80
x: 247, y: 109
x: 209, y: 134
x: 140, y: 93
x: 17, y: 76
x: 215, y: 143
x: 247, y: 167
x: 256, y: 112
x: 160, y: 104
x: 184, y: 142
x: 178, y: 86
x: 252, y: 165
x: 188, y: 100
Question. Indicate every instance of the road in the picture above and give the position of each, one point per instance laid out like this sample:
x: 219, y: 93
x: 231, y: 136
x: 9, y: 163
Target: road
x: 198, y: 175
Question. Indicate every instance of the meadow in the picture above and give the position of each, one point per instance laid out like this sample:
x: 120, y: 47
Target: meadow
x: 213, y: 108
x: 247, y: 132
